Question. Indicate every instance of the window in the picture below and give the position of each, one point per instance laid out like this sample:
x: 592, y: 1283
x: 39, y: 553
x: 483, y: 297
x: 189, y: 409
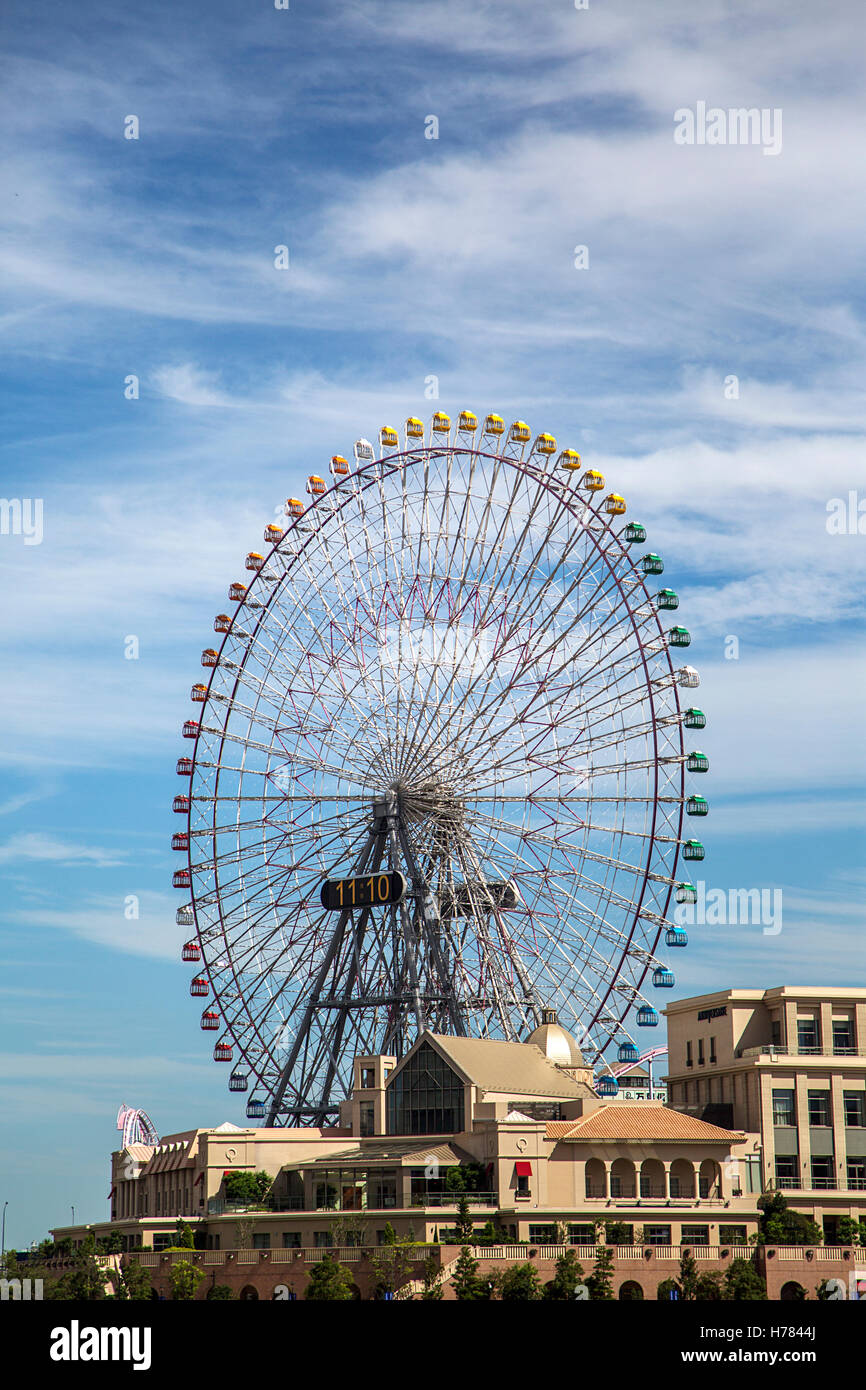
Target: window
x: 212, y: 1242
x: 695, y: 1235
x: 823, y: 1172
x: 732, y: 1235
x: 819, y: 1109
x: 383, y: 1190
x: 161, y: 1241
x: 368, y: 1078
x: 291, y: 1240
x: 263, y: 1241
x: 807, y: 1035
x: 784, y: 1112
x: 855, y: 1109
x: 857, y: 1174
x: 322, y: 1240
x: 367, y: 1118
x: 843, y: 1035
x: 657, y: 1235
x: 787, y: 1171
x: 425, y: 1096
x: 689, y: 1062
x: 581, y: 1235
x: 700, y: 1052
x: 713, y: 1050
x: 543, y: 1235
x: 752, y: 1164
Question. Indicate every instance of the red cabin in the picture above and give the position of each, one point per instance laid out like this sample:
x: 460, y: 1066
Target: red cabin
x: 184, y: 767
x: 210, y: 1021
x: 180, y: 840
x: 222, y: 1052
x: 181, y: 878
x: 199, y: 987
x: 198, y: 694
x: 190, y: 728
x: 181, y: 805
x: 209, y: 657
x: 191, y: 951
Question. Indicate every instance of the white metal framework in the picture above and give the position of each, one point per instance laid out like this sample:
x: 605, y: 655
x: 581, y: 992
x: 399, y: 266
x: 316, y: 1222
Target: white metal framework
x: 449, y: 663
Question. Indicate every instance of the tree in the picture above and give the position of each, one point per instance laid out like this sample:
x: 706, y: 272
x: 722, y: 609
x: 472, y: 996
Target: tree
x: 850, y: 1231
x: 219, y: 1293
x: 131, y: 1282
x: 393, y: 1265
x: 743, y: 1283
x: 778, y: 1225
x: 85, y: 1282
x: 568, y: 1275
x: 432, y: 1280
x: 183, y: 1238
x: 329, y: 1281
x: 520, y: 1284
x: 600, y: 1282
x: 687, y: 1283
x: 251, y: 1188
x: 183, y: 1279
x: 467, y: 1285
x: 464, y: 1228
x: 112, y: 1244
x: 708, y: 1288
x: 666, y: 1288
x: 618, y: 1233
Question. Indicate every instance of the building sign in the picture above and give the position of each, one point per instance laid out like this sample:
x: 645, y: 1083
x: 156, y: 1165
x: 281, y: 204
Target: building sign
x: 712, y: 1013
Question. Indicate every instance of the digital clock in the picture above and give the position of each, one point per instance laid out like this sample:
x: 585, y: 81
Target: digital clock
x: 373, y: 890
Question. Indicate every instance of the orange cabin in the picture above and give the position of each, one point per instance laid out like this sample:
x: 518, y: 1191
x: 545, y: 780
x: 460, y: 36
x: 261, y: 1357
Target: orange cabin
x: 316, y: 487
x: 339, y: 466
x: 237, y: 592
x: 209, y: 657
x: 294, y: 507
x: 254, y: 560
x: 198, y: 694
x: 222, y: 623
x: 273, y: 534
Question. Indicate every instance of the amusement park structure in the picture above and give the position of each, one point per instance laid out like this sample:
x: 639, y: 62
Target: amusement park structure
x: 437, y: 771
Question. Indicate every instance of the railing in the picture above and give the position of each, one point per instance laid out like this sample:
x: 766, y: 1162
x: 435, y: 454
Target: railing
x: 781, y: 1050
x: 451, y: 1199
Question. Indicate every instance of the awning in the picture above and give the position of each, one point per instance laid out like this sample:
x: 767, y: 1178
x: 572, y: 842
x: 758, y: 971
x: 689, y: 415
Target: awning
x: 111, y: 1193
x: 200, y: 1178
x: 523, y: 1168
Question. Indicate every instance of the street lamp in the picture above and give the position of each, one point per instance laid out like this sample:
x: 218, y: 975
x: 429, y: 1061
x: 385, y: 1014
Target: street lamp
x: 3, y: 1237
x: 73, y: 1215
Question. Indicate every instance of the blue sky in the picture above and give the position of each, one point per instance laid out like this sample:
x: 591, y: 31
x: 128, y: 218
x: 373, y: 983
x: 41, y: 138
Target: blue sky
x: 409, y: 258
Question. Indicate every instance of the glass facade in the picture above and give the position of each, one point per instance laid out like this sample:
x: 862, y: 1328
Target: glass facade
x: 783, y: 1108
x: 425, y: 1096
x: 855, y: 1109
x: 819, y: 1109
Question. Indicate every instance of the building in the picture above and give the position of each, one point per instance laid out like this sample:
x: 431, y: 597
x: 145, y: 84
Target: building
x: 639, y: 1083
x: 789, y: 1065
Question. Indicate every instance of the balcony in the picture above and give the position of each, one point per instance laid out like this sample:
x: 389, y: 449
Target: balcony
x: 781, y: 1050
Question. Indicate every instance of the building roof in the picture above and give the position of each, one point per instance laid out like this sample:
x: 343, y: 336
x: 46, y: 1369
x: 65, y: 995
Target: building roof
x: 511, y: 1067
x: 394, y: 1151
x: 557, y: 1044
x: 641, y: 1122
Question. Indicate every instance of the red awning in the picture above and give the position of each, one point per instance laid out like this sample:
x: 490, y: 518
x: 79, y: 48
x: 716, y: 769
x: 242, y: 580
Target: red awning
x: 524, y: 1168
x: 200, y: 1178
x: 111, y: 1193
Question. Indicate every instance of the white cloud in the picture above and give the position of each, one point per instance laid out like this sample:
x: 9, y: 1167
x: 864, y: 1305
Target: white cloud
x: 38, y: 848
x: 101, y: 920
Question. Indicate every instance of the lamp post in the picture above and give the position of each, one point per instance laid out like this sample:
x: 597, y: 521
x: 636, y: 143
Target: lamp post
x: 3, y: 1237
x: 72, y: 1209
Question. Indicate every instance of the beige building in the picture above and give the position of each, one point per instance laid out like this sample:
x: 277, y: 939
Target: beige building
x: 788, y: 1064
x: 519, y: 1125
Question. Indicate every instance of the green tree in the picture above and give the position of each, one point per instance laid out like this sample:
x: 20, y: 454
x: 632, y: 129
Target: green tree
x: 432, y: 1280
x: 112, y: 1244
x: 464, y: 1228
x: 131, y: 1282
x: 251, y: 1188
x: 183, y: 1280
x: 329, y: 1281
x: 618, y: 1233
x: 743, y: 1283
x: 688, y: 1278
x: 219, y: 1293
x: 393, y: 1265
x: 708, y: 1288
x: 600, y: 1282
x: 183, y: 1237
x: 666, y: 1288
x: 568, y: 1275
x: 85, y: 1281
x: 778, y: 1225
x: 850, y: 1231
x: 467, y: 1285
x: 389, y: 1235
x: 520, y: 1284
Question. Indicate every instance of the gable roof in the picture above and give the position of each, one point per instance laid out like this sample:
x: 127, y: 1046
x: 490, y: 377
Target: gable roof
x: 642, y: 1123
x: 510, y: 1067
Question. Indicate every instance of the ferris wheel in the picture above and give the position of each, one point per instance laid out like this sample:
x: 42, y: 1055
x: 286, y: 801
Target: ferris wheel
x: 438, y: 773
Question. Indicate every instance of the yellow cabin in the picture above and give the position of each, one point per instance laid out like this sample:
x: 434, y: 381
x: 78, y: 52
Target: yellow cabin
x: 294, y: 506
x: 339, y: 466
x: 592, y: 481
x: 614, y: 505
x: 468, y: 422
x: 519, y: 432
x: 388, y: 437
x: 414, y: 428
x: 570, y: 459
x: 494, y: 424
x: 273, y: 534
x: 544, y: 444
x: 316, y: 487
x: 254, y: 560
x: 441, y: 423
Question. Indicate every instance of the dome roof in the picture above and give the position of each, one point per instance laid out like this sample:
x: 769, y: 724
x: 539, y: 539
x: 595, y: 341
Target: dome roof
x: 557, y: 1044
